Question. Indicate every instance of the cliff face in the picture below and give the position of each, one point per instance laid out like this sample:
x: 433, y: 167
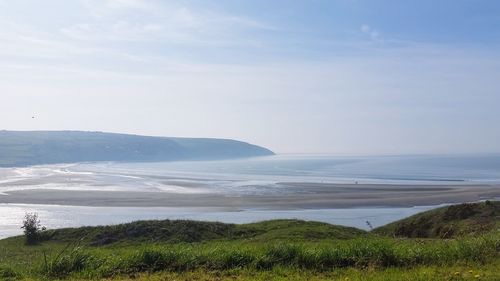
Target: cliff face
x: 19, y: 148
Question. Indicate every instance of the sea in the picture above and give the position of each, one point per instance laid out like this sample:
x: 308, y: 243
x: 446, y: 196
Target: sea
x: 252, y: 176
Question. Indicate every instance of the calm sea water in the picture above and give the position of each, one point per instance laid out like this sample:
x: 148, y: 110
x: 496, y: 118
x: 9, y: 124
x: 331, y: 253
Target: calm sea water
x: 73, y: 216
x: 323, y: 167
x: 255, y: 175
x: 240, y: 177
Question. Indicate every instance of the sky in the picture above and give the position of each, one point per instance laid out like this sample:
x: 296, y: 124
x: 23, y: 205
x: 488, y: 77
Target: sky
x: 334, y: 76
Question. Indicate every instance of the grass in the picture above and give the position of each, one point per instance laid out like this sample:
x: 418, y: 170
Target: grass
x: 447, y: 222
x: 177, y: 231
x: 422, y: 273
x: 272, y: 250
x: 320, y: 256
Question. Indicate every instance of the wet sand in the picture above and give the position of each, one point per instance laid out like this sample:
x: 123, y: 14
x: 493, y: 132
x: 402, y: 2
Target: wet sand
x: 298, y: 195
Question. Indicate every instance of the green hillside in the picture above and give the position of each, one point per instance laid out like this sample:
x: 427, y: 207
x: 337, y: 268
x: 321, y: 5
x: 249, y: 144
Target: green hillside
x: 179, y: 231
x: 269, y: 250
x: 19, y: 148
x: 447, y: 222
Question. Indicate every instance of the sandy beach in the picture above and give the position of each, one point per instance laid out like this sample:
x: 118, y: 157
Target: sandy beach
x: 298, y: 196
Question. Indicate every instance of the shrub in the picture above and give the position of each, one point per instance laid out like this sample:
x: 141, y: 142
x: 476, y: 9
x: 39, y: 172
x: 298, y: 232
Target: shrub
x: 32, y: 228
x: 460, y: 212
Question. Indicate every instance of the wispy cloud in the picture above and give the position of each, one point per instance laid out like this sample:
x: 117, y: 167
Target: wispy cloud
x: 232, y: 74
x: 370, y: 31
x: 132, y: 20
x: 102, y: 8
x: 118, y: 34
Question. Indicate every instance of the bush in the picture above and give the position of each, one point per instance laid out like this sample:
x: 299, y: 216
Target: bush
x: 32, y: 228
x: 460, y: 212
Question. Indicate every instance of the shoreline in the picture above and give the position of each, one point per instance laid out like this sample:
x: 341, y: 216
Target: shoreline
x: 297, y: 196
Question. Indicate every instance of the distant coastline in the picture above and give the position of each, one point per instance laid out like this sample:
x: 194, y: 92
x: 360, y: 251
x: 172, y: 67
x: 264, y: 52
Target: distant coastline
x: 25, y: 148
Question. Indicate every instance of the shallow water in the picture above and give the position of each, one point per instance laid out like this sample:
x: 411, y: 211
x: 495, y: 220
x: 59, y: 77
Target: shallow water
x: 256, y: 176
x: 52, y: 216
x: 253, y: 176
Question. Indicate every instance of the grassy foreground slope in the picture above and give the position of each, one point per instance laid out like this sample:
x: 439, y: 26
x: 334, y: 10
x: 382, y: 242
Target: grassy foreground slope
x: 447, y: 222
x: 271, y: 250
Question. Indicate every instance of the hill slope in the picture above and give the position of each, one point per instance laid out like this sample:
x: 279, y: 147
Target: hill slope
x: 447, y: 222
x: 174, y: 231
x: 49, y: 147
x: 292, y: 249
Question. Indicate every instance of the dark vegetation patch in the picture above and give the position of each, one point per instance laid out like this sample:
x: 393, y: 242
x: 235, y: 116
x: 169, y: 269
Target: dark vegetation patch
x: 6, y: 273
x: 447, y: 222
x: 175, y: 231
x: 149, y: 231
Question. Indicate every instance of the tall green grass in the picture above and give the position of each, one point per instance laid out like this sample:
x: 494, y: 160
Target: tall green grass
x: 7, y: 273
x: 357, y: 253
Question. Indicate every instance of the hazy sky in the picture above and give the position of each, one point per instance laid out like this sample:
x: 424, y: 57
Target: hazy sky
x: 346, y: 76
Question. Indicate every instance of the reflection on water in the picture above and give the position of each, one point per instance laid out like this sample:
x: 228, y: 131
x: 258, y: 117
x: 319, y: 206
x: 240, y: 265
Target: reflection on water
x: 253, y: 176
x: 256, y: 176
x: 51, y: 216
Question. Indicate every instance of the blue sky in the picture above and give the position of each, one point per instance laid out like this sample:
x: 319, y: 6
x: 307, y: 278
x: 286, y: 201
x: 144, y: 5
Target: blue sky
x: 343, y: 77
